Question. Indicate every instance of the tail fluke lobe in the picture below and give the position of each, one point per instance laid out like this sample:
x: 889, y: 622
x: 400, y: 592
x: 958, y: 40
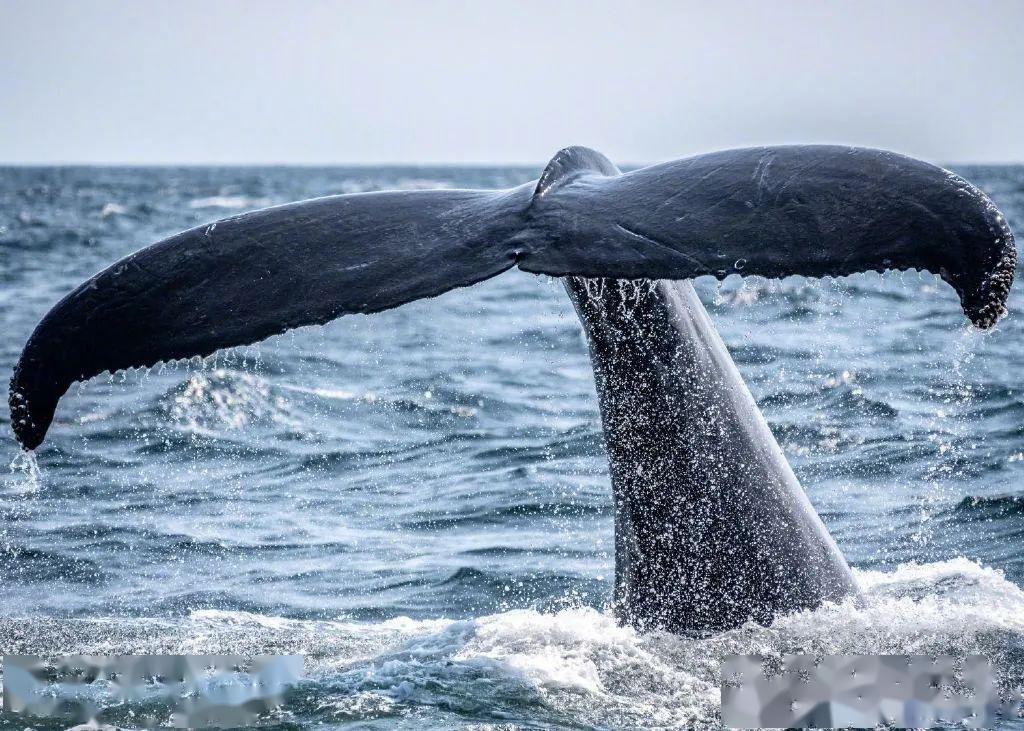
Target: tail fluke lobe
x: 245, y: 278
x: 814, y: 210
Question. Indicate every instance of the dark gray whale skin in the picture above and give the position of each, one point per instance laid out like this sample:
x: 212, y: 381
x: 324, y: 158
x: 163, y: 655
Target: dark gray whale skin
x: 712, y: 528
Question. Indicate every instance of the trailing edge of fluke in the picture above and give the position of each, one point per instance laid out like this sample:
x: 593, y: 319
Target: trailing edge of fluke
x: 770, y: 211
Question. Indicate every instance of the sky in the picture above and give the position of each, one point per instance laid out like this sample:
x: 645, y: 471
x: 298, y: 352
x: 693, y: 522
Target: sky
x: 428, y: 81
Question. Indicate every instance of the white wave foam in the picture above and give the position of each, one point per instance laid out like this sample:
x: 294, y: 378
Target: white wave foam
x: 576, y: 666
x: 229, y: 201
x: 370, y: 397
x: 364, y: 185
x: 581, y: 663
x: 113, y: 209
x: 336, y: 394
x: 421, y: 184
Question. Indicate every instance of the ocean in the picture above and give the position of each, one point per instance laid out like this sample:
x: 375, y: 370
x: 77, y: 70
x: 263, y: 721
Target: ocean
x: 418, y: 501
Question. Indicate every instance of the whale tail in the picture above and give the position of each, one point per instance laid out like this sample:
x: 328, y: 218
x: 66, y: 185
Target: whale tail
x: 773, y: 211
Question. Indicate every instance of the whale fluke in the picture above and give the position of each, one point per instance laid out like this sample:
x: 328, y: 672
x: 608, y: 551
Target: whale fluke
x: 244, y: 278
x: 815, y: 210
x: 772, y: 211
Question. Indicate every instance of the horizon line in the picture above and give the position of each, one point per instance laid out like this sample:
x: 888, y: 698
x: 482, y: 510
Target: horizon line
x: 391, y: 164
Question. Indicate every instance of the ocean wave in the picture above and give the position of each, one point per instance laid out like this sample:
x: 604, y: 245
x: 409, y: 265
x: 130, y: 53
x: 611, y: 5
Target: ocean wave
x: 489, y: 513
x: 427, y: 402
x: 21, y: 564
x: 576, y: 666
x: 988, y: 507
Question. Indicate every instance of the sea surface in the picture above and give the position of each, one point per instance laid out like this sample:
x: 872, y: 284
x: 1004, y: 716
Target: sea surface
x: 418, y: 500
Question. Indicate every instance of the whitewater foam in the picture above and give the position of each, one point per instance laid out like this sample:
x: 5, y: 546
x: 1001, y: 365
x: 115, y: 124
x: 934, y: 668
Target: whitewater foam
x: 576, y: 666
x: 229, y: 201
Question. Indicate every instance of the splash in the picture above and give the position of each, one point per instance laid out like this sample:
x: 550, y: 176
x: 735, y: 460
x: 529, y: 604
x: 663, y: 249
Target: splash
x: 225, y: 399
x: 27, y: 476
x: 573, y: 667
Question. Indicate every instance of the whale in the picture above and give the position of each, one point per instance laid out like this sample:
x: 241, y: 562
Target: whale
x: 712, y: 527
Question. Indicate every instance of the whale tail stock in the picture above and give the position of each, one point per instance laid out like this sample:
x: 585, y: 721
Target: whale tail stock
x: 772, y: 211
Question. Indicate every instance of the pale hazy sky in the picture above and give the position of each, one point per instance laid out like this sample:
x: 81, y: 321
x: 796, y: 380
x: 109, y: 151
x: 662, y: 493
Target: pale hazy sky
x: 308, y: 81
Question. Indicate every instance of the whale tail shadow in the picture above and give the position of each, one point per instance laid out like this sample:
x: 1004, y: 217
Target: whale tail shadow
x: 770, y: 211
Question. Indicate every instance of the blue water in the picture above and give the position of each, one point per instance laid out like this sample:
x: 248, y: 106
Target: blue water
x: 418, y: 500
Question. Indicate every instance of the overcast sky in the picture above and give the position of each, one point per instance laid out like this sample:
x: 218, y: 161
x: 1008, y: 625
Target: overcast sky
x: 246, y: 81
